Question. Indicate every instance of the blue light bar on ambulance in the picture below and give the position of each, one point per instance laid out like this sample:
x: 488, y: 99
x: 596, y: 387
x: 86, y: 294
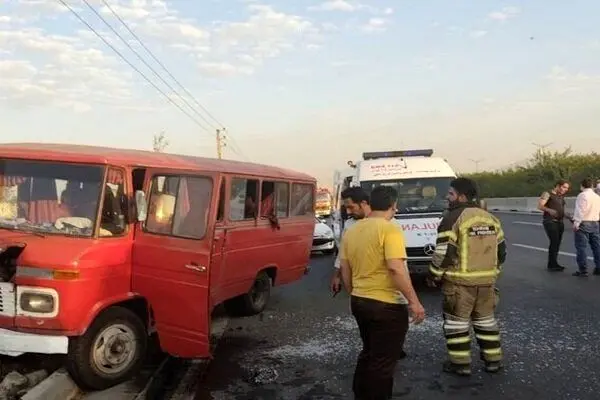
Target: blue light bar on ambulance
x: 398, y: 153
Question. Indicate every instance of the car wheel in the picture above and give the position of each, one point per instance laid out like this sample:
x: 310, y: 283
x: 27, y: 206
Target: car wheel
x: 110, y: 352
x: 255, y: 301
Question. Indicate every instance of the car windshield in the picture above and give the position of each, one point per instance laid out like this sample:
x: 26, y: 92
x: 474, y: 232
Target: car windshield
x: 49, y: 197
x: 416, y: 195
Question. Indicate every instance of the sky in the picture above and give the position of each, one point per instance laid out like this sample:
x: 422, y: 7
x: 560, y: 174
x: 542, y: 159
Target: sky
x: 306, y: 84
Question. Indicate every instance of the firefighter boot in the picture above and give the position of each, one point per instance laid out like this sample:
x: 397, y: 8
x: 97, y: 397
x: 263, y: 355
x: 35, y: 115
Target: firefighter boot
x: 457, y: 369
x: 493, y: 367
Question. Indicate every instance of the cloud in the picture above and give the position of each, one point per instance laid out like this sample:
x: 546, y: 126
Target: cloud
x: 265, y: 34
x: 223, y: 69
x: 336, y: 5
x: 375, y: 25
x: 349, y: 7
x: 565, y: 81
x: 504, y: 14
x: 478, y: 34
x: 76, y: 69
x: 58, y: 71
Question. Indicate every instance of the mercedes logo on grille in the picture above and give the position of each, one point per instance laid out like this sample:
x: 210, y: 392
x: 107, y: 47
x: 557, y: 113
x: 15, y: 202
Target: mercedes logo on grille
x: 429, y: 249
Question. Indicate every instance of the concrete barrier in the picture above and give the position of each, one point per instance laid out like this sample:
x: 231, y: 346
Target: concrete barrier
x: 522, y: 204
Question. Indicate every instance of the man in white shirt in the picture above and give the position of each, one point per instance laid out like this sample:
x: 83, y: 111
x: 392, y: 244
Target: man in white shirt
x: 586, y: 226
x: 356, y: 203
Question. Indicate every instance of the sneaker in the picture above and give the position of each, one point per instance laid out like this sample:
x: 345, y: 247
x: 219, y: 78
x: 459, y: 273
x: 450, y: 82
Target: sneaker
x: 556, y: 268
x: 457, y: 369
x: 493, y: 367
x: 582, y: 274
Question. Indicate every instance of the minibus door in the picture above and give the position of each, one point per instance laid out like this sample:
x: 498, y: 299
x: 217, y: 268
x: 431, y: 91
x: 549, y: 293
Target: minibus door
x: 171, y: 271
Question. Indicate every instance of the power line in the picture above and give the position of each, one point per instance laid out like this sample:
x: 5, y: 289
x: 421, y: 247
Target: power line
x: 144, y: 61
x: 235, y: 148
x: 160, y: 63
x: 83, y: 21
x: 222, y: 143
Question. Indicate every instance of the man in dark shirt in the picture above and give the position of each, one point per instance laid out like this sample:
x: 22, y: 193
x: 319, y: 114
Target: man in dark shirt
x: 552, y: 204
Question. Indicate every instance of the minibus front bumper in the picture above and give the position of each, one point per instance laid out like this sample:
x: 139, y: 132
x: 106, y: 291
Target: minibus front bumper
x: 14, y: 343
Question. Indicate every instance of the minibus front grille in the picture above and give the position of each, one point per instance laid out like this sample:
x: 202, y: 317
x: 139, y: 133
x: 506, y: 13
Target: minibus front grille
x: 7, y: 299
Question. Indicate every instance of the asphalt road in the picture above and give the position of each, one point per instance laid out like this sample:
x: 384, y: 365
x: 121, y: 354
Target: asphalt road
x: 304, y: 346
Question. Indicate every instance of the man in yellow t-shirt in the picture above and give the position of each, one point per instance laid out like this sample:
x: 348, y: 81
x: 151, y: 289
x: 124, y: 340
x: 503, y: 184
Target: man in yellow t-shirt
x: 374, y: 272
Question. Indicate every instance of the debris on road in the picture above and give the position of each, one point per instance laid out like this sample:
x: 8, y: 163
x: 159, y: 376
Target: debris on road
x: 14, y: 385
x: 18, y: 375
x: 261, y: 375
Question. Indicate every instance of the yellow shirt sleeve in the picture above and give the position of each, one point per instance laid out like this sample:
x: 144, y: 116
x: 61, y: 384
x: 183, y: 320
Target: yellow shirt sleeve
x: 344, y: 249
x: 393, y: 243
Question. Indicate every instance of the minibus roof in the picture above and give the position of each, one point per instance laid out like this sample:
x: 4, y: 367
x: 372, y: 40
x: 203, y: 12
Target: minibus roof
x: 140, y: 158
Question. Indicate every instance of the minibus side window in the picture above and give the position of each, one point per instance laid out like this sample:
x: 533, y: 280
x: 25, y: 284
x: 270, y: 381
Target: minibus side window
x: 114, y: 205
x: 274, y: 199
x: 267, y: 199
x: 282, y: 195
x: 179, y: 206
x: 243, y: 199
x: 302, y: 199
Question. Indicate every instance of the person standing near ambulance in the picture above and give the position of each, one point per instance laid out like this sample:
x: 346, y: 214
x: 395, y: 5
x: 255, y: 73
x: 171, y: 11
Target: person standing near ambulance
x: 382, y: 297
x: 356, y: 204
x: 552, y: 204
x: 470, y: 249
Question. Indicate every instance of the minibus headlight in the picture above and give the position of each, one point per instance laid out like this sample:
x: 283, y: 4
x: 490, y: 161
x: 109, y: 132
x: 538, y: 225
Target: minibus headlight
x: 33, y: 302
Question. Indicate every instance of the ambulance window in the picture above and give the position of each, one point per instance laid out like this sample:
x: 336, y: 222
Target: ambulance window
x: 179, y: 206
x: 302, y: 199
x: 243, y: 199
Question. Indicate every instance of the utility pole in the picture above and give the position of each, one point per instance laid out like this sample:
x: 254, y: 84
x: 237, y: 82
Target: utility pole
x: 220, y: 142
x: 476, y: 162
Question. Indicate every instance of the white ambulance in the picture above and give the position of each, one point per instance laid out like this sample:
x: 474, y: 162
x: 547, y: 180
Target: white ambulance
x: 422, y: 182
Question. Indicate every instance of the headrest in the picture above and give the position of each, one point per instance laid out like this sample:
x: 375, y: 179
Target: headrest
x: 429, y: 191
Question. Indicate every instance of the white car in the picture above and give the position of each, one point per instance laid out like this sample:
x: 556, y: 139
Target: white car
x: 323, y: 238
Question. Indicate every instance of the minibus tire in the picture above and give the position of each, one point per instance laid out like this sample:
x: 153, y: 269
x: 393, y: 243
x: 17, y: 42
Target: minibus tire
x: 80, y: 362
x: 247, y: 305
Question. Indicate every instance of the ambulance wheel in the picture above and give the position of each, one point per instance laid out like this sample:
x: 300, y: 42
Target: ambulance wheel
x: 255, y: 301
x: 110, y: 352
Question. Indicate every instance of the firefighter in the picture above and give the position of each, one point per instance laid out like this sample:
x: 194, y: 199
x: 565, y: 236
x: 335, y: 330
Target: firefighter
x: 470, y: 250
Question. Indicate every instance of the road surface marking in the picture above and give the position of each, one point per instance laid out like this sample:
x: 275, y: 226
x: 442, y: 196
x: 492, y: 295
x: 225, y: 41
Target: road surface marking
x: 562, y: 253
x: 527, y: 223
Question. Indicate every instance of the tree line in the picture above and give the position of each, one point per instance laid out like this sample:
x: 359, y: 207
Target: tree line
x: 538, y: 174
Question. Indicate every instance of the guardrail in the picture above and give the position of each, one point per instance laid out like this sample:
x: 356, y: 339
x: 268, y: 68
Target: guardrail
x: 522, y: 204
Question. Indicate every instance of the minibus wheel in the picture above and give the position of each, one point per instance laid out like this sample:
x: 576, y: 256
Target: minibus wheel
x: 110, y: 352
x: 253, y: 302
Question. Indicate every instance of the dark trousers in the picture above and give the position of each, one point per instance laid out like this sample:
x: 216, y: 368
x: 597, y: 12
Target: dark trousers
x: 554, y: 231
x: 382, y: 327
x: 588, y: 233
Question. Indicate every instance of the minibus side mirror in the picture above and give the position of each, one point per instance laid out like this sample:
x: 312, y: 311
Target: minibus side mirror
x: 141, y: 205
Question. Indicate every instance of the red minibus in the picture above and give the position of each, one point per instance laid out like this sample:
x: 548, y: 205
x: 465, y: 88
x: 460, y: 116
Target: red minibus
x: 102, y: 247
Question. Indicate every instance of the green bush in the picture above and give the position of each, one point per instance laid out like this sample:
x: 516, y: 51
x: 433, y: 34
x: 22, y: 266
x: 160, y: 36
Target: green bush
x: 538, y: 174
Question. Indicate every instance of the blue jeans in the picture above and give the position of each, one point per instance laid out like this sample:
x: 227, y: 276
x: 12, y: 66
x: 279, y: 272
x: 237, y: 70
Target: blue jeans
x: 588, y: 232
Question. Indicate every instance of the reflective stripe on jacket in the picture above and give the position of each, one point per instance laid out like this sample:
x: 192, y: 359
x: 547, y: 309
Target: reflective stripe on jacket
x: 470, y: 247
